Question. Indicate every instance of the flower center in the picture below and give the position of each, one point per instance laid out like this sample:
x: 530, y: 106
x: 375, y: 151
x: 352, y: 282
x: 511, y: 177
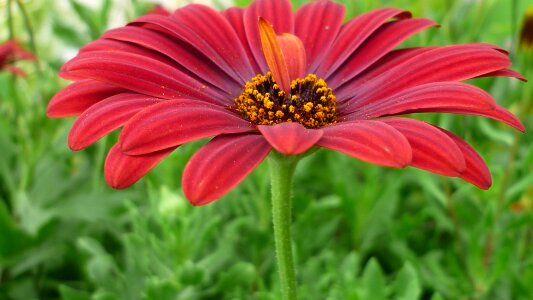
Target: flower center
x: 310, y: 102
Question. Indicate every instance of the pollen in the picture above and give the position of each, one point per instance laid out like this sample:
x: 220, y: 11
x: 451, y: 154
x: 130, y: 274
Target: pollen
x: 310, y: 102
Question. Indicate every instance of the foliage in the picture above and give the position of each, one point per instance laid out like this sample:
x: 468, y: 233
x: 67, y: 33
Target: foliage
x: 361, y: 231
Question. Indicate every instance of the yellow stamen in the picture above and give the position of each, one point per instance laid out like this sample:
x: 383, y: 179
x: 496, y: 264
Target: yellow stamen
x: 310, y: 102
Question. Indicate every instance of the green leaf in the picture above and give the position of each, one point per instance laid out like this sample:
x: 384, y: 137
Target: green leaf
x: 88, y: 17
x: 503, y: 136
x: 191, y: 274
x: 13, y: 240
x: 32, y: 216
x: 158, y: 289
x: 105, y: 11
x: 241, y: 274
x: 519, y: 187
x: 373, y: 282
x: 242, y: 3
x: 407, y: 284
x: 100, y: 266
x: 437, y: 296
x: 68, y: 293
x: 69, y: 35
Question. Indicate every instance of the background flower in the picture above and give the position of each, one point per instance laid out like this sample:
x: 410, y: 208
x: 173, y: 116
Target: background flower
x: 526, y: 32
x: 11, y: 52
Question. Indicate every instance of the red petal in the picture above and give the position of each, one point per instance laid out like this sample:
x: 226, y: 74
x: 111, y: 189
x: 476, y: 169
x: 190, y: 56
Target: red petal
x: 428, y: 96
x: 370, y: 141
x: 390, y: 61
x: 172, y: 27
x: 178, y: 51
x: 122, y: 170
x: 376, y: 46
x: 451, y: 63
x: 106, y: 45
x: 278, y: 13
x: 141, y: 74
x: 221, y: 165
x: 284, y: 55
x: 175, y: 122
x: 290, y: 138
x: 433, y: 150
x: 78, y: 96
x: 353, y: 34
x: 491, y: 46
x: 235, y: 16
x: 498, y: 113
x: 217, y: 32
x: 317, y: 25
x: 450, y: 97
x: 153, y: 45
x: 387, y: 62
x: 106, y: 116
x: 476, y: 171
x: 294, y: 54
x: 274, y: 55
x: 505, y: 73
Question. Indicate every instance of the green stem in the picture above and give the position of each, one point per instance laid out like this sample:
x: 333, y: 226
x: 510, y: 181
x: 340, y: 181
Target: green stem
x: 10, y: 26
x: 29, y: 28
x: 281, y: 174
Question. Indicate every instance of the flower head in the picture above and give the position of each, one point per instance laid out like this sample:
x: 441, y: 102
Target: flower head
x: 526, y: 32
x: 11, y: 52
x: 265, y: 77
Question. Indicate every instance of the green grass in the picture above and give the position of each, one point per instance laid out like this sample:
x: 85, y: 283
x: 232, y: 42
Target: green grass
x: 360, y: 231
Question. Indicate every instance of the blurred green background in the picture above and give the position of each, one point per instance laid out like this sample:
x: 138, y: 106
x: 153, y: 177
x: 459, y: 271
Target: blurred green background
x: 360, y: 231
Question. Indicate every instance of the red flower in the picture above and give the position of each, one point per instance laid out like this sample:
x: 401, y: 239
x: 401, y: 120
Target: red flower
x: 526, y: 33
x: 10, y: 52
x: 201, y: 73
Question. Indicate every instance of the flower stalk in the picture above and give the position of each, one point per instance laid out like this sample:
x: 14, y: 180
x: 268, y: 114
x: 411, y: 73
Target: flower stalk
x: 281, y: 173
